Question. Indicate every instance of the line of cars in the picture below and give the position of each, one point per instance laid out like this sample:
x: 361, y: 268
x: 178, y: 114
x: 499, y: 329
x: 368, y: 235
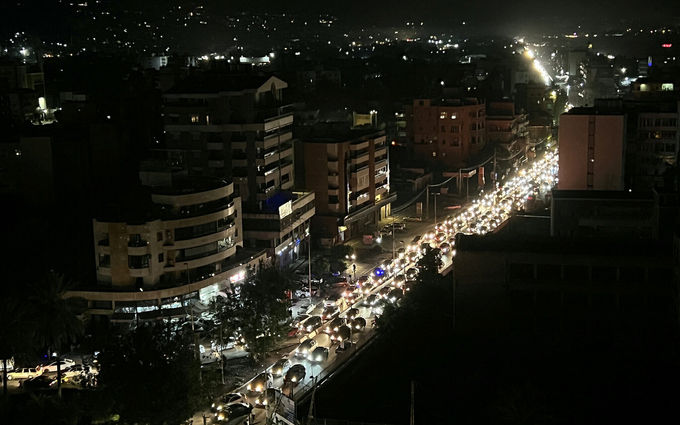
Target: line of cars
x: 45, y: 376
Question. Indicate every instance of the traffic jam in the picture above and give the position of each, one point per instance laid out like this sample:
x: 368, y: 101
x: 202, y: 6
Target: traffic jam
x: 332, y: 327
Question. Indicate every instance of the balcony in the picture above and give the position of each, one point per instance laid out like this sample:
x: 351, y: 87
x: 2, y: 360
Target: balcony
x: 103, y: 242
x: 381, y: 163
x: 360, y: 158
x: 286, y: 152
x: 334, y: 191
x: 333, y: 179
x: 380, y: 177
x: 358, y: 171
x: 381, y: 151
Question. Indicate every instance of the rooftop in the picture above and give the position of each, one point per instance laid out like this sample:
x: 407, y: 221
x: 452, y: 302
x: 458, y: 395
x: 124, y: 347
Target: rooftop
x: 219, y: 83
x: 321, y: 133
x: 602, y: 194
x: 188, y: 185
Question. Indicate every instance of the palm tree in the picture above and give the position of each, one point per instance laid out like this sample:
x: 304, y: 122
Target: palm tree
x: 14, y: 334
x: 56, y: 317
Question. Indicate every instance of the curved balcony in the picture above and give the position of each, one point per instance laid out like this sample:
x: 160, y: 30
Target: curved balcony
x: 138, y: 250
x: 203, y: 261
x: 202, y: 240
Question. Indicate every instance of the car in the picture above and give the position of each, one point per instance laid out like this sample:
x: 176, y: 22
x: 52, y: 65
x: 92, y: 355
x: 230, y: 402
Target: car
x: 343, y: 347
x: 445, y: 247
x: 226, y: 400
x: 303, y: 349
x: 279, y: 366
x: 401, y: 252
x: 350, y: 292
x: 234, y: 411
x: 412, y: 218
x: 371, y: 300
x: 23, y: 373
x: 329, y: 312
x: 334, y: 325
x: 395, y: 294
x: 41, y: 382
x: 268, y: 398
x: 295, y: 374
x: 300, y: 319
x: 409, y: 285
x: 362, y: 280
x: 352, y: 313
x: 359, y: 324
x: 318, y: 355
x: 441, y: 236
x: 261, y: 382
x: 333, y: 299
x: 413, y: 255
x: 343, y: 333
x: 384, y: 291
x: 411, y: 273
x: 311, y: 323
x: 366, y: 288
x: 301, y: 293
x: 386, y: 230
x: 413, y: 246
x: 52, y: 367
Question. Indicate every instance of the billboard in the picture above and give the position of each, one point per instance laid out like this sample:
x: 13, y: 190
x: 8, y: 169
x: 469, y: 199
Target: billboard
x: 285, y: 411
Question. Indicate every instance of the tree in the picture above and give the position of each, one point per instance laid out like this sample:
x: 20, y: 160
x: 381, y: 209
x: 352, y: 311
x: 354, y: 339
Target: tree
x: 259, y: 311
x: 320, y: 265
x: 152, y: 376
x: 15, y: 334
x: 56, y: 317
x: 429, y: 264
x: 339, y: 255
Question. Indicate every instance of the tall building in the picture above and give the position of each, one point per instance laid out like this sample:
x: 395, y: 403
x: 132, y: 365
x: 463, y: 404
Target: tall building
x: 446, y: 130
x: 505, y: 127
x: 592, y: 150
x: 349, y: 172
x: 166, y: 245
x: 237, y: 127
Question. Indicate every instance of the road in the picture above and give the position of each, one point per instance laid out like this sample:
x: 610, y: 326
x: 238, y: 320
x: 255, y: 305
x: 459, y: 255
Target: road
x: 484, y: 215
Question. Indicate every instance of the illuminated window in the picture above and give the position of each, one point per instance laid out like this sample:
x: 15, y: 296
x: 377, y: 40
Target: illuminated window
x: 454, y: 116
x: 434, y: 153
x: 442, y: 115
x: 195, y: 118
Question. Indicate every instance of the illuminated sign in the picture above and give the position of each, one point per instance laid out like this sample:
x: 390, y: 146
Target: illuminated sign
x: 667, y: 45
x: 237, y: 277
x: 286, y: 209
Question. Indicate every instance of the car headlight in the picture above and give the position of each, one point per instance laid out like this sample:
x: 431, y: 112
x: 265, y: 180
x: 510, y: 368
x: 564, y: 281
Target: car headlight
x: 220, y: 417
x: 264, y: 403
x: 258, y: 389
x: 310, y: 358
x: 294, y: 379
x: 249, y: 387
x: 219, y: 407
x: 318, y: 359
x: 213, y: 405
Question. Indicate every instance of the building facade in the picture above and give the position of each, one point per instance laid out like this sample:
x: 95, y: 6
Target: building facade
x: 505, y: 127
x: 238, y: 127
x: 350, y: 174
x: 186, y: 244
x: 446, y: 130
x: 592, y: 150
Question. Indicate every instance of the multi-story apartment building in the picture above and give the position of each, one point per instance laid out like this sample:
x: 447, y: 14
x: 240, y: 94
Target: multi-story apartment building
x: 186, y: 243
x: 238, y: 127
x: 446, y: 130
x: 505, y: 127
x: 592, y: 149
x: 349, y: 172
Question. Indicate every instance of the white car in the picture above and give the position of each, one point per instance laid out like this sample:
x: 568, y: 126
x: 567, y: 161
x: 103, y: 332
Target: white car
x: 302, y: 293
x: 52, y: 367
x: 23, y: 373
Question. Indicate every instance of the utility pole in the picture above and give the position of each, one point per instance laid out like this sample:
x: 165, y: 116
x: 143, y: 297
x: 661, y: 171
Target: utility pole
x: 413, y: 402
x: 310, y: 416
x: 427, y: 202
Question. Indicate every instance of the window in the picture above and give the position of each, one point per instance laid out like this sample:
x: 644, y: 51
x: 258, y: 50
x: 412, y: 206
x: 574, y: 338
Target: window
x: 421, y: 103
x: 434, y: 153
x: 195, y: 119
x: 454, y: 116
x: 138, y: 261
x: 174, y: 119
x: 161, y: 258
x: 454, y: 129
x: 456, y: 142
x: 207, y: 119
x: 474, y: 140
x: 443, y: 129
x: 443, y: 142
x: 104, y: 260
x: 159, y: 236
x: 442, y: 115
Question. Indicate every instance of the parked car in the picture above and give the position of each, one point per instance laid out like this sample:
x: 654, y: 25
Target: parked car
x: 399, y: 227
x: 318, y: 355
x: 413, y: 219
x: 41, y: 382
x: 261, y: 382
x: 278, y: 368
x: 305, y: 348
x: 301, y: 293
x: 295, y: 374
x: 23, y: 373
x: 52, y: 367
